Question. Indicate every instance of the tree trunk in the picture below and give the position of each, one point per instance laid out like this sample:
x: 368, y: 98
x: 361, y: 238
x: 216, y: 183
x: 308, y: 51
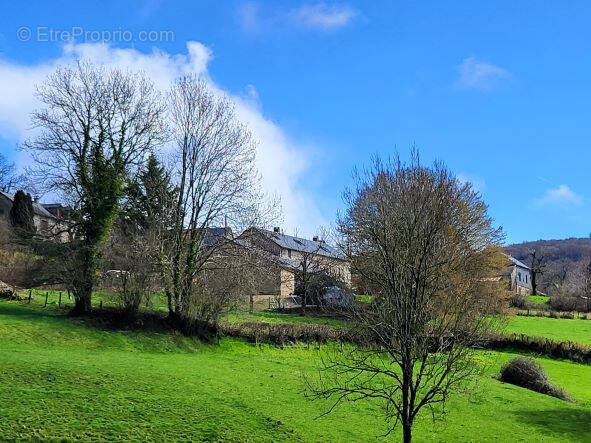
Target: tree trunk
x: 169, y: 300
x: 534, y: 285
x: 85, y: 282
x: 82, y: 304
x: 406, y: 432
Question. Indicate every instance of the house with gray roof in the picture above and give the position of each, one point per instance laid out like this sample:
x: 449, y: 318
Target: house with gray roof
x: 518, y: 275
x: 289, y: 252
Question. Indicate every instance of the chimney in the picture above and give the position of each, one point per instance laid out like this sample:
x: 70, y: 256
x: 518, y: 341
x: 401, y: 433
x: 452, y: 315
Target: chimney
x: 315, y: 238
x: 276, y: 229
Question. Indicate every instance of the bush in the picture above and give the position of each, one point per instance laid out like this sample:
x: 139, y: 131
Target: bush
x: 282, y: 333
x: 519, y: 301
x: 529, y: 374
x: 569, y: 303
x: 7, y: 292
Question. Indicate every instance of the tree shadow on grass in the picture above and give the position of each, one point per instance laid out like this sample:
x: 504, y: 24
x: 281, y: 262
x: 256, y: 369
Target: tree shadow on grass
x: 570, y: 423
x: 106, y: 319
x: 19, y: 309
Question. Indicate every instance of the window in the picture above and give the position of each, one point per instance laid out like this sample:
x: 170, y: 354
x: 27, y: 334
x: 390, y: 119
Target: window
x: 519, y: 275
x: 289, y: 253
x: 525, y: 278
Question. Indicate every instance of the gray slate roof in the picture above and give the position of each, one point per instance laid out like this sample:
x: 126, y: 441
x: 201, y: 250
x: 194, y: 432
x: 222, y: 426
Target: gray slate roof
x: 518, y: 263
x: 215, y: 235
x: 303, y: 245
x: 38, y: 208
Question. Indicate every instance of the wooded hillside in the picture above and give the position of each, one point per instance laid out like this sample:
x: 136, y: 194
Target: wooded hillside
x: 563, y: 260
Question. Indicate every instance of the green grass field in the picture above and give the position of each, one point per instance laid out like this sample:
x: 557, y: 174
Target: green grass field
x: 61, y: 379
x: 576, y: 330
x: 538, y: 299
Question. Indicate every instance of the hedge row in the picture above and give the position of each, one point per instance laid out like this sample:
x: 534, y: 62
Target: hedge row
x: 564, y: 349
x: 554, y: 314
x: 286, y: 333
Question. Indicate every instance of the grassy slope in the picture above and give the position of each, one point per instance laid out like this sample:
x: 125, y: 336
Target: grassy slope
x: 538, y: 299
x: 276, y: 317
x: 62, y: 379
x: 576, y: 330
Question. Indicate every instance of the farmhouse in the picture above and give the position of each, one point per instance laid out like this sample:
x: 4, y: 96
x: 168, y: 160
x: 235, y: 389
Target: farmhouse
x: 46, y: 223
x: 289, y: 254
x: 518, y: 275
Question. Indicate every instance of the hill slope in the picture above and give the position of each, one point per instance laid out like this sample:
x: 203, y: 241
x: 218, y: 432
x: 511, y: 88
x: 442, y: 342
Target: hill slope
x: 570, y: 250
x: 564, y: 260
x: 63, y: 379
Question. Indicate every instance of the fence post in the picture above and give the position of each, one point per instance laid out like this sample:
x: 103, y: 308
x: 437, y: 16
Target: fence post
x: 59, y: 303
x: 101, y: 305
x: 68, y: 294
x: 46, y: 295
x: 269, y: 303
x: 30, y: 290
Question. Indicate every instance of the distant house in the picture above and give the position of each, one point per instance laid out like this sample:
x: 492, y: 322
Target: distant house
x: 58, y: 210
x: 518, y: 276
x: 287, y: 254
x: 46, y: 223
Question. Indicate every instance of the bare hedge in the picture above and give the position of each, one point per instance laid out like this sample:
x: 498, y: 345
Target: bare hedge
x: 529, y: 374
x: 286, y: 333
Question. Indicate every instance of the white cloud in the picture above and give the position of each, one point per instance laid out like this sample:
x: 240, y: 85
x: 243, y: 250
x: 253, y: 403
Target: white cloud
x: 476, y: 74
x: 478, y: 184
x: 562, y: 195
x: 249, y: 17
x: 281, y: 161
x: 323, y: 16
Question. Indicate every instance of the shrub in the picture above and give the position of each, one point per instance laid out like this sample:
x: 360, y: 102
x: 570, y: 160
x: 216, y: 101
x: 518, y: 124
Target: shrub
x: 519, y: 301
x: 7, y: 292
x: 282, y: 333
x: 529, y: 374
x: 566, y: 303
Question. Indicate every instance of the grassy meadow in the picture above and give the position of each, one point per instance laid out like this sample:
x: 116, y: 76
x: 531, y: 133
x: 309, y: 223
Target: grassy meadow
x: 538, y: 299
x: 63, y: 379
x: 575, y: 330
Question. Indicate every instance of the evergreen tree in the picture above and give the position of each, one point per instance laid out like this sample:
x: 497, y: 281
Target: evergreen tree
x: 21, y: 213
x: 148, y: 198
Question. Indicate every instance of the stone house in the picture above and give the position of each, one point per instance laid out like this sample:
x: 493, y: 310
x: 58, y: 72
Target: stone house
x: 518, y: 276
x: 287, y: 254
x: 46, y: 223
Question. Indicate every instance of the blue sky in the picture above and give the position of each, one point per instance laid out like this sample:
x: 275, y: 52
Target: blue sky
x: 497, y: 90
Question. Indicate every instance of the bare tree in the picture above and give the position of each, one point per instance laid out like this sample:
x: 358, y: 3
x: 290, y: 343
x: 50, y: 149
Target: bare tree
x: 586, y: 286
x: 95, y: 126
x: 314, y: 271
x: 537, y: 263
x: 218, y: 186
x: 426, y: 247
x: 557, y: 277
x: 129, y: 271
x: 10, y: 179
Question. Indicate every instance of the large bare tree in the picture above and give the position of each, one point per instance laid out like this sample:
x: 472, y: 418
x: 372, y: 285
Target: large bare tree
x: 425, y: 246
x: 95, y: 124
x: 218, y: 186
x: 10, y: 179
x: 538, y: 261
